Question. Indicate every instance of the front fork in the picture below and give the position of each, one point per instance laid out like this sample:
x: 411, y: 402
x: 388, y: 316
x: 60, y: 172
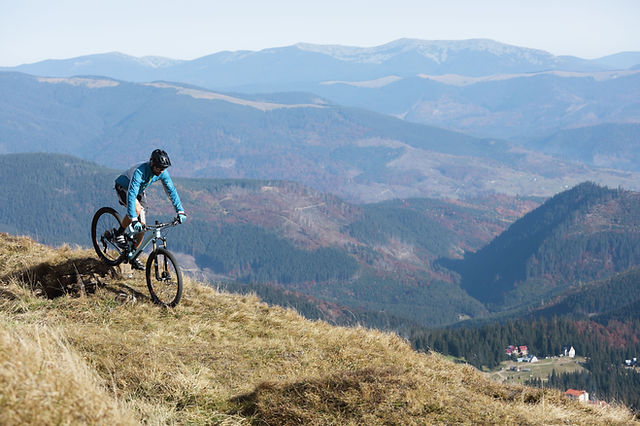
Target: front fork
x: 159, y: 276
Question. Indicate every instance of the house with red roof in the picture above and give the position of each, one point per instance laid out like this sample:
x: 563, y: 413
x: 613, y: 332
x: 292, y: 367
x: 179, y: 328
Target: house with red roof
x: 578, y: 395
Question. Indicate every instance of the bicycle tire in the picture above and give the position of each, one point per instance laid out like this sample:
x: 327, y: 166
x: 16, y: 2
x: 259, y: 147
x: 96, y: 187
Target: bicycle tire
x: 165, y: 286
x: 98, y: 234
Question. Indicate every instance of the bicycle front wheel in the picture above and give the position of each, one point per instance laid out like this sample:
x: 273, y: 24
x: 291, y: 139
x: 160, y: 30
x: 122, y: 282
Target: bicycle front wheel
x: 164, y: 278
x: 103, y: 226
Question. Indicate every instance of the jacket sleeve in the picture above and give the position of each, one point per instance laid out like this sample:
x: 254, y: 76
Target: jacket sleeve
x: 134, y: 188
x: 170, y: 189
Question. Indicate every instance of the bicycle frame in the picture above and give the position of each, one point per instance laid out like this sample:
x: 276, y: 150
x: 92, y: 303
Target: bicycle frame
x: 152, y: 233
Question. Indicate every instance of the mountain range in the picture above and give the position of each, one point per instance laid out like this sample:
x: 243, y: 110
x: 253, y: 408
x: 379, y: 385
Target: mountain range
x: 519, y: 107
x: 480, y: 87
x: 304, y: 62
x: 354, y: 153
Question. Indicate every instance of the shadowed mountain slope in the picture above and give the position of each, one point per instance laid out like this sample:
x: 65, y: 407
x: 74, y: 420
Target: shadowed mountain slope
x: 583, y: 234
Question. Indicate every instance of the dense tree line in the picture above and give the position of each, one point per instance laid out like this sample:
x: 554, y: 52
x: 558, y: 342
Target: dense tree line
x: 52, y: 197
x: 485, y: 346
x: 615, y: 298
x: 253, y: 254
x: 584, y: 258
x: 388, y: 220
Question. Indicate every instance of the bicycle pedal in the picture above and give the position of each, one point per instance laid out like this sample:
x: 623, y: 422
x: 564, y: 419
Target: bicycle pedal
x: 136, y: 264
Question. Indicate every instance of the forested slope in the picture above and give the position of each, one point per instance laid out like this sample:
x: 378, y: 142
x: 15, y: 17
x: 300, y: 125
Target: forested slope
x: 584, y: 234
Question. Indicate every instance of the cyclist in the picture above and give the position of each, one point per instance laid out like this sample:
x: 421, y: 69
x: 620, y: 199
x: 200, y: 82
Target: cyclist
x: 130, y: 187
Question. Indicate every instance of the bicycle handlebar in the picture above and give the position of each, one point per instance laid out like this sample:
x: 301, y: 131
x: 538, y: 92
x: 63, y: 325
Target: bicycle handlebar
x: 174, y: 222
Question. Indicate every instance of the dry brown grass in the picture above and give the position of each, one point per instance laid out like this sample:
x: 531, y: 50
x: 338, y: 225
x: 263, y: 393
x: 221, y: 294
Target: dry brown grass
x: 44, y: 381
x: 219, y: 358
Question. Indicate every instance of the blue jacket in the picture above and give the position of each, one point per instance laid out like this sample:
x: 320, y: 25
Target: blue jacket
x: 138, y: 178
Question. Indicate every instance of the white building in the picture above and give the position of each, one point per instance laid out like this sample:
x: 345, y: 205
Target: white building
x: 577, y: 395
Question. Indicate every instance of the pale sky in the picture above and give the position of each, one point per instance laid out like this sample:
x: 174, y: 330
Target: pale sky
x: 34, y: 30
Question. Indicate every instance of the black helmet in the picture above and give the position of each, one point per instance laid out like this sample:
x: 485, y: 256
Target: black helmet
x: 160, y: 158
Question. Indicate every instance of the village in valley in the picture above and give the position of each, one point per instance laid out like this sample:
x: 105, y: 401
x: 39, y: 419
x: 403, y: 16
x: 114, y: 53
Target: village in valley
x: 521, y: 353
x: 523, y: 366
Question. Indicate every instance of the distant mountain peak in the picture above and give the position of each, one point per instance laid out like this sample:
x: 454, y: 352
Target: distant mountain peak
x: 437, y: 50
x: 152, y: 62
x: 157, y: 61
x: 145, y: 61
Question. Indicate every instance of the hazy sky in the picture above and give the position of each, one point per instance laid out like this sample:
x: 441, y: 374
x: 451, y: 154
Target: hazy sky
x: 34, y: 30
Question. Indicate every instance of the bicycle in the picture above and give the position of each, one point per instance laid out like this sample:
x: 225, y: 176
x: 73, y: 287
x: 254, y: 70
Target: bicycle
x: 165, y: 283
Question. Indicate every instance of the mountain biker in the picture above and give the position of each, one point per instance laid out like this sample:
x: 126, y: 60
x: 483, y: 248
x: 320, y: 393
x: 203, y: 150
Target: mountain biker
x: 130, y: 187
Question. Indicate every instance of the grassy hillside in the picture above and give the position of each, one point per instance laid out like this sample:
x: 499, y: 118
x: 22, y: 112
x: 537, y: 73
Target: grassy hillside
x: 102, y: 353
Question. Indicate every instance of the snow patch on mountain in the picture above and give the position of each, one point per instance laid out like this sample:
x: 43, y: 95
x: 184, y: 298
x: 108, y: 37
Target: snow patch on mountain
x: 439, y: 50
x: 157, y: 61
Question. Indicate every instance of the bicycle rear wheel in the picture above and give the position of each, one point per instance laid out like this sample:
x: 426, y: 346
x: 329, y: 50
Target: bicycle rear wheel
x: 104, y: 223
x: 164, y: 278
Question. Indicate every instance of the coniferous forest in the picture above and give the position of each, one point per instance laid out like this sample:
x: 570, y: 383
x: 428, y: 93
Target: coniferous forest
x: 606, y: 342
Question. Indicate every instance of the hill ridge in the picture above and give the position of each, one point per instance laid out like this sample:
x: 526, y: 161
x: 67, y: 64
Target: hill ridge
x: 220, y: 358
x: 586, y: 233
x: 436, y: 50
